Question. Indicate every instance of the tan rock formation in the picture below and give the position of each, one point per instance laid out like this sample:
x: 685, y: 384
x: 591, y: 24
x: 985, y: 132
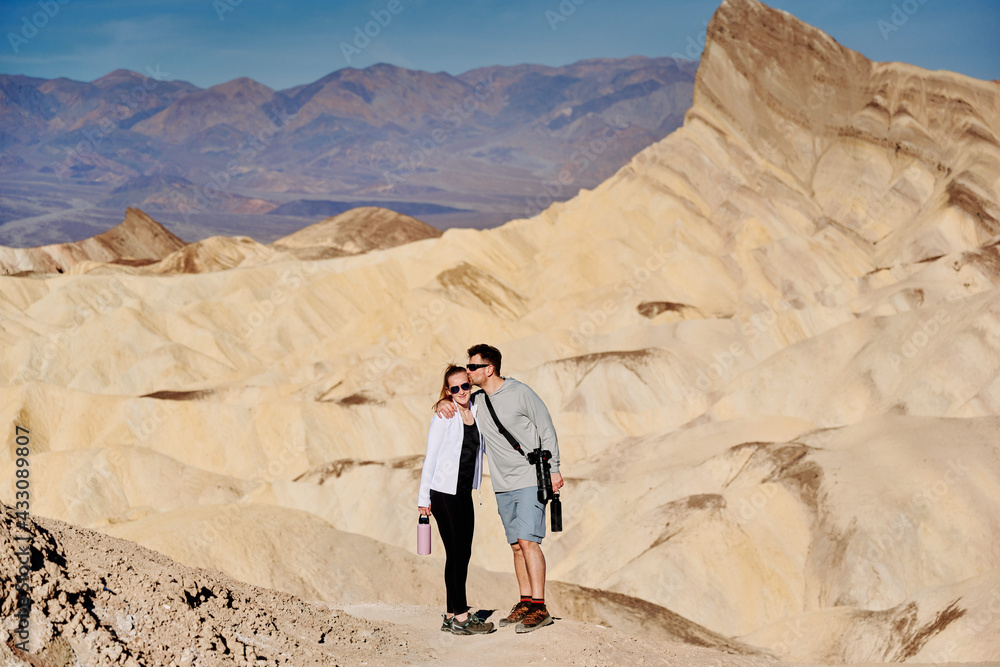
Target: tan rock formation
x: 137, y: 240
x: 358, y: 230
x: 141, y: 245
x: 770, y: 344
x: 217, y: 253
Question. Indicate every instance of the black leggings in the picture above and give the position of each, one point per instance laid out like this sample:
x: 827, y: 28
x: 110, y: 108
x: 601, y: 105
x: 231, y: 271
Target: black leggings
x: 456, y: 519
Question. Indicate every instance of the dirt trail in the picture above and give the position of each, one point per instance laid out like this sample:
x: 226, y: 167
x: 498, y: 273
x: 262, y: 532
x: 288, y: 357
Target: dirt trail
x: 565, y: 642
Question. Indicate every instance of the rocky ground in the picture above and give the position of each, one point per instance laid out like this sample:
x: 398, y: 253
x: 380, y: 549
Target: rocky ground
x: 99, y: 600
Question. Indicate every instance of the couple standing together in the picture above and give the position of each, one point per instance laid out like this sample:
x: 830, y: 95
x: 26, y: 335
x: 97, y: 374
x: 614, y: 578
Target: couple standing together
x: 461, y: 431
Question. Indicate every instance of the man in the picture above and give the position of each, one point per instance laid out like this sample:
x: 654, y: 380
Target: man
x: 525, y: 416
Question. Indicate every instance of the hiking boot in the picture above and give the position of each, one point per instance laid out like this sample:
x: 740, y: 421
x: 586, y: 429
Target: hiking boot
x: 534, y: 619
x: 471, y: 626
x: 446, y: 623
x: 516, y: 615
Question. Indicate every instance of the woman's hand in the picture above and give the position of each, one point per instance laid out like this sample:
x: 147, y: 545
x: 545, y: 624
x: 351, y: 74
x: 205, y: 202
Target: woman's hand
x: 425, y: 511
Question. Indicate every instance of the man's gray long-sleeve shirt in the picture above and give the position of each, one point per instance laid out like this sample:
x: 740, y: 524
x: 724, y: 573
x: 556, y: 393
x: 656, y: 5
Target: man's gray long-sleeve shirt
x: 525, y: 416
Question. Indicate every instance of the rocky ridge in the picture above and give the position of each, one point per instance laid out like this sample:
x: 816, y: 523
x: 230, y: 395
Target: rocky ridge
x: 137, y: 239
x: 141, y: 245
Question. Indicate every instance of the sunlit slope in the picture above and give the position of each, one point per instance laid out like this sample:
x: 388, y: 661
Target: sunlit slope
x: 761, y: 341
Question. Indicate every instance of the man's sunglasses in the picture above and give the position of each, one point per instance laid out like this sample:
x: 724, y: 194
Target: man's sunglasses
x: 465, y: 387
x: 475, y: 367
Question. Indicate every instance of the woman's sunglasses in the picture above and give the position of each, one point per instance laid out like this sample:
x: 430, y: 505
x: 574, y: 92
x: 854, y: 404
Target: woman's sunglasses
x: 465, y: 387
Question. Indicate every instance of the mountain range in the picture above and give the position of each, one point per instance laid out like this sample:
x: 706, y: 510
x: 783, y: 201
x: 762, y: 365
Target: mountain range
x: 485, y: 146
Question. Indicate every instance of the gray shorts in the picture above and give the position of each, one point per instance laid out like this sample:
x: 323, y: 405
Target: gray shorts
x: 522, y: 515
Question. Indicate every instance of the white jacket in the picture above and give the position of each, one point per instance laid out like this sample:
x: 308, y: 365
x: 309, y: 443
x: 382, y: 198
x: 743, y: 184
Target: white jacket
x: 444, y: 452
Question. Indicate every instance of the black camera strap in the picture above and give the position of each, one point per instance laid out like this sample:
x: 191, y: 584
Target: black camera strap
x: 539, y: 463
x: 503, y: 431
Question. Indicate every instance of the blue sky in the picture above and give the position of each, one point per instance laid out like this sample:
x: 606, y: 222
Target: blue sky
x: 291, y: 42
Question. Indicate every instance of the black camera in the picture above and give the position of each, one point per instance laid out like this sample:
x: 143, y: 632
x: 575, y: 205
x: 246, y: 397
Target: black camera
x: 543, y: 474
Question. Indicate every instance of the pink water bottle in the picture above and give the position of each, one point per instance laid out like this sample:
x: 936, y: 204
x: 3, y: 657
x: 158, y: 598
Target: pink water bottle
x: 424, y: 536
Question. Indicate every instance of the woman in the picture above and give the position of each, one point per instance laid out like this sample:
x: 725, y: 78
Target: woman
x: 452, y: 468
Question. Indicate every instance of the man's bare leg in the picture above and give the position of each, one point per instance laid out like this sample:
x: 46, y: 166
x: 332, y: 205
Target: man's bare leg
x: 521, y: 570
x: 534, y: 562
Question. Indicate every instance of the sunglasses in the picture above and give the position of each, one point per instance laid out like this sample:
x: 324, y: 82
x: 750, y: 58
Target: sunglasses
x: 465, y: 387
x: 474, y: 367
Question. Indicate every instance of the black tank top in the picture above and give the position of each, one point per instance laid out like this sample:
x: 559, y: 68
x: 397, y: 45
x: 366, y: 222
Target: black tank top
x: 467, y: 461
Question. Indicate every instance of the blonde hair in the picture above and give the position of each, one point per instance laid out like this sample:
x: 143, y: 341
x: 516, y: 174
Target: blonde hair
x: 452, y: 369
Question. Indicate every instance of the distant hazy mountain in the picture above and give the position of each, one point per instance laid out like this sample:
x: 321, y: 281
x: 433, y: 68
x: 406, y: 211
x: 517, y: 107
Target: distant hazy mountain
x: 498, y: 142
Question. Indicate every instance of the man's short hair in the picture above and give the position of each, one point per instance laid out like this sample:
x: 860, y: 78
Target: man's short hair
x: 489, y: 354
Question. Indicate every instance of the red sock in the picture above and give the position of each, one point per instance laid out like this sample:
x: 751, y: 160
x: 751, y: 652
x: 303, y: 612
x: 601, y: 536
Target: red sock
x: 538, y: 602
x: 525, y: 598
